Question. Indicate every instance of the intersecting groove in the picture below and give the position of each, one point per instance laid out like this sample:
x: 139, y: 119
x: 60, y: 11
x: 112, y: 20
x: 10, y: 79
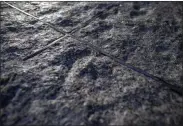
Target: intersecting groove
x: 175, y: 88
x: 44, y: 48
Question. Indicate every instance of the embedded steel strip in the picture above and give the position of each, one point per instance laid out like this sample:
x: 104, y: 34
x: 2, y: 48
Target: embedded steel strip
x: 175, y: 88
x: 52, y: 26
x: 47, y: 23
x: 57, y: 40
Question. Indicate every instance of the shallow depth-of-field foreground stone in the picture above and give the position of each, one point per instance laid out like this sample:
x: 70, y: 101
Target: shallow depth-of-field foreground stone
x: 70, y: 84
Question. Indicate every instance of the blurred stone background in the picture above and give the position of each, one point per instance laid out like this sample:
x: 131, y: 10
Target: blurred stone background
x: 86, y: 88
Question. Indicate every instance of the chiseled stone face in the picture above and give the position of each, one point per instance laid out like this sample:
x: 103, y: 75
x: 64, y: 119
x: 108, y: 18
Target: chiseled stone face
x: 71, y: 84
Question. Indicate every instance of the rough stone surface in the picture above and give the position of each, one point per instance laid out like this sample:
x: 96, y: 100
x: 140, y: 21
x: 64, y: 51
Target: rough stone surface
x: 69, y: 84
